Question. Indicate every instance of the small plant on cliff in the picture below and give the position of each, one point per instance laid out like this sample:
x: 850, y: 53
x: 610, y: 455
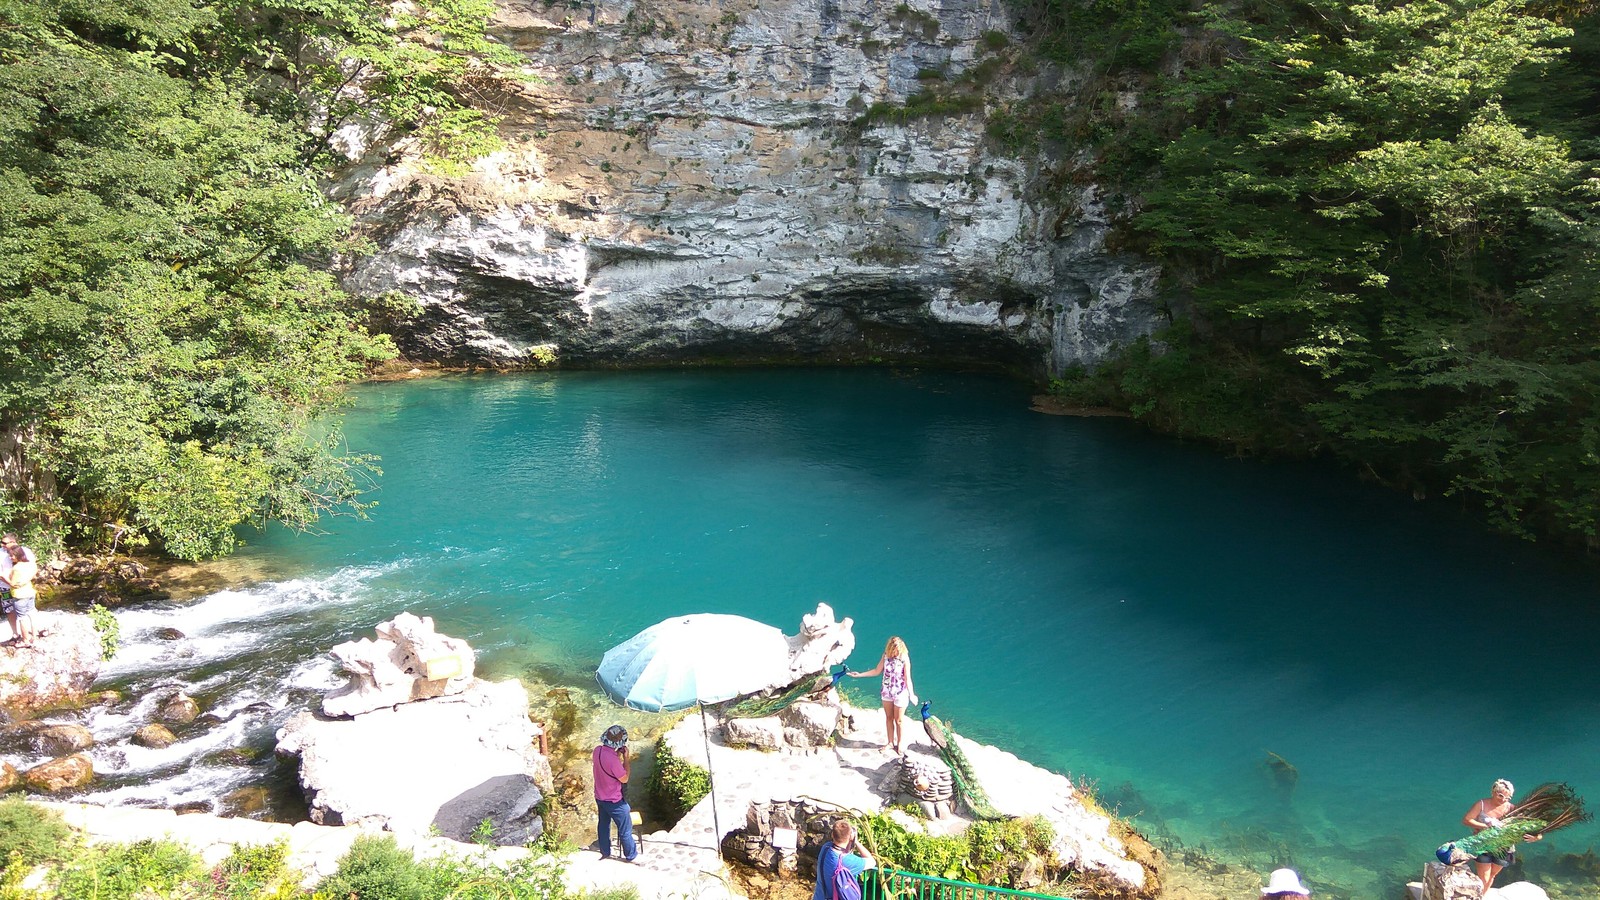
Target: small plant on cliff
x: 109, y: 629
x: 675, y: 786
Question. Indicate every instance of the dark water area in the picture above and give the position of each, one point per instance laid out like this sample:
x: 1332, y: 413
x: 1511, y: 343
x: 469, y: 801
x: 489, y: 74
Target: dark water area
x: 1148, y: 615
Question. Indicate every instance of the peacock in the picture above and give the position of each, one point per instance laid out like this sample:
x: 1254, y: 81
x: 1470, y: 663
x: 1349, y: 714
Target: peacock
x: 1547, y: 808
x: 754, y: 706
x: 962, y: 775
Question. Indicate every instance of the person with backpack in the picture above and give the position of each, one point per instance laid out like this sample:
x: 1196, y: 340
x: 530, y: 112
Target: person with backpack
x: 840, y: 862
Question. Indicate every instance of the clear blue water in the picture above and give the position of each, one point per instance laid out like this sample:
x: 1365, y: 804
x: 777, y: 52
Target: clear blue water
x: 1150, y: 615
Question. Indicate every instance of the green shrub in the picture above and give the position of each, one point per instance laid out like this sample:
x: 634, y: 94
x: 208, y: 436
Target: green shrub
x: 984, y: 854
x: 254, y: 871
x: 526, y: 879
x: 110, y: 631
x: 377, y: 869
x: 34, y: 834
x: 134, y: 871
x: 675, y: 786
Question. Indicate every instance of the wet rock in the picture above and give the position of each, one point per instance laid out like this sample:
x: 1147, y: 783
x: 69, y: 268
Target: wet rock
x: 232, y: 756
x: 57, y: 670
x: 168, y: 634
x: 10, y: 779
x: 60, y: 740
x: 79, y: 571
x: 102, y: 698
x: 154, y: 736
x: 246, y: 801
x: 193, y: 806
x: 179, y: 709
x: 60, y: 774
x: 209, y: 720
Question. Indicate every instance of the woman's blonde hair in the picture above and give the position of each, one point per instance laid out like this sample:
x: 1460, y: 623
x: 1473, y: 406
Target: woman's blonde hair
x: 1501, y: 781
x: 895, y: 647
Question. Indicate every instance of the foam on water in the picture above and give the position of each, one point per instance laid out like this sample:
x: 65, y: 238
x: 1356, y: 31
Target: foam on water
x: 244, y: 654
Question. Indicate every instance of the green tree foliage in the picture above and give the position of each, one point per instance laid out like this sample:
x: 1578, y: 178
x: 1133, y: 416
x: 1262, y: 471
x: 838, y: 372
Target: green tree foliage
x: 408, y: 67
x: 170, y: 332
x: 1387, y: 230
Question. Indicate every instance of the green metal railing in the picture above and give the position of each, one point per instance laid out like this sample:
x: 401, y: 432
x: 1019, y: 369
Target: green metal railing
x: 891, y: 884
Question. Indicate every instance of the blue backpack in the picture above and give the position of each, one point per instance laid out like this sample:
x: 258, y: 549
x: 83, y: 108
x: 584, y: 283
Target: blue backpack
x: 845, y: 885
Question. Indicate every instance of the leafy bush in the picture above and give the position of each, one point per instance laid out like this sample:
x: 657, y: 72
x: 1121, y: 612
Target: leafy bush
x: 986, y: 853
x: 137, y: 870
x: 377, y: 869
x: 256, y: 871
x: 675, y: 786
x: 33, y: 834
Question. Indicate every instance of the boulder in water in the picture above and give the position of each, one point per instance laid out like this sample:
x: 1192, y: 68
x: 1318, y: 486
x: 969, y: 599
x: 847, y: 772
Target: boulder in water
x: 154, y: 735
x: 10, y: 779
x: 59, y: 740
x: 179, y: 709
x: 246, y: 801
x: 60, y: 774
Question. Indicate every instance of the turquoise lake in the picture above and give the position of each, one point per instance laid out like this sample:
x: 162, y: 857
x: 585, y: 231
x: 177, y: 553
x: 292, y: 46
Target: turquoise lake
x: 1153, y: 616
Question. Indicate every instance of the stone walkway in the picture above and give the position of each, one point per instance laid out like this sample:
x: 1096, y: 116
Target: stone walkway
x: 856, y: 773
x: 315, y: 849
x: 848, y: 775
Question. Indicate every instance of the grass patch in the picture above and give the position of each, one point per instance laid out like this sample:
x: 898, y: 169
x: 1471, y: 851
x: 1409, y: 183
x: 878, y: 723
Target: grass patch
x: 31, y: 836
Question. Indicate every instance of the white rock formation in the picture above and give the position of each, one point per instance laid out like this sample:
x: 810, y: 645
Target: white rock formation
x: 445, y: 763
x: 689, y: 180
x: 1085, y: 837
x: 821, y: 644
x: 1517, y: 890
x: 409, y: 661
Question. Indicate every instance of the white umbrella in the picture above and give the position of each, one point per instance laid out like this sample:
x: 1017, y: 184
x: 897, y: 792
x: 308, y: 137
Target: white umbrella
x: 691, y: 661
x: 703, y: 658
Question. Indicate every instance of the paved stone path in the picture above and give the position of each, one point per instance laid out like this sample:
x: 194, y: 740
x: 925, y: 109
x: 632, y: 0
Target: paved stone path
x: 848, y: 775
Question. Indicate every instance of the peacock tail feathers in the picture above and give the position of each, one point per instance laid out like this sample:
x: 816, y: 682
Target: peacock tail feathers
x: 962, y: 776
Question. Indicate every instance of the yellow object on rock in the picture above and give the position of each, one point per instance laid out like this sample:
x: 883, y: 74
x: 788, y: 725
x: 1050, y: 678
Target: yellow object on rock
x: 442, y: 667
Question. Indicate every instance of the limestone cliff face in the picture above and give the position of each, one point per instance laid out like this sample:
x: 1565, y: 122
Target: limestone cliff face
x: 692, y: 181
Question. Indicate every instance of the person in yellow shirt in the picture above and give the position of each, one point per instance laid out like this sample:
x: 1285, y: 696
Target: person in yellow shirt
x: 20, y: 607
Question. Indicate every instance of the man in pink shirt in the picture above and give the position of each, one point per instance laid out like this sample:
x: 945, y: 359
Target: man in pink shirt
x: 610, y: 776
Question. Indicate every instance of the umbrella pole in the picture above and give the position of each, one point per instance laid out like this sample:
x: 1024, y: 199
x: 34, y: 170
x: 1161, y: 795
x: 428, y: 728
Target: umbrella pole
x: 711, y: 779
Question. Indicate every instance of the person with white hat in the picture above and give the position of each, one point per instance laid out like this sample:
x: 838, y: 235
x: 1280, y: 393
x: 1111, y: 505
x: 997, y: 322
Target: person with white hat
x: 1284, y: 884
